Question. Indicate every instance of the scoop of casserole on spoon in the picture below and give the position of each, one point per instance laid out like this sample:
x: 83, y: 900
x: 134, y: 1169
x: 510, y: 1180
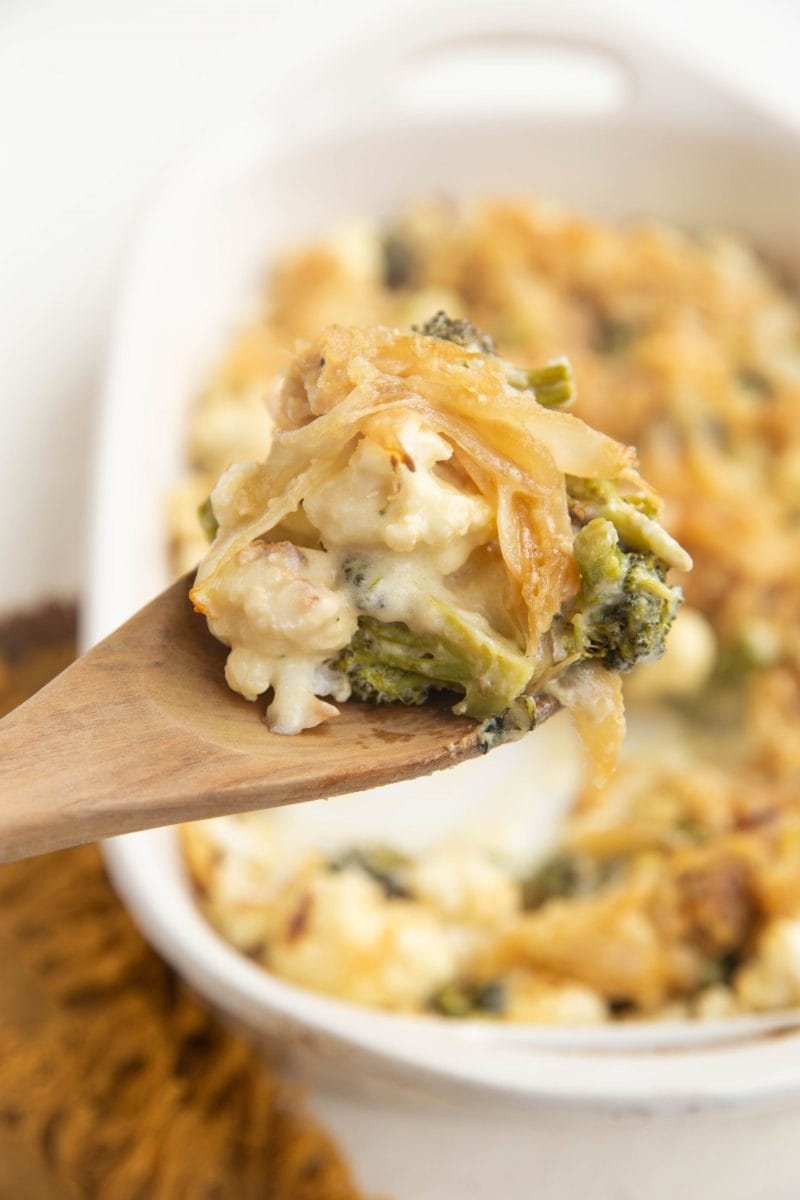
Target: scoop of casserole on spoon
x: 429, y: 526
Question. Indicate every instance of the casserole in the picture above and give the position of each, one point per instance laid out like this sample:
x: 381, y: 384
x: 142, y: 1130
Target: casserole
x: 655, y: 1103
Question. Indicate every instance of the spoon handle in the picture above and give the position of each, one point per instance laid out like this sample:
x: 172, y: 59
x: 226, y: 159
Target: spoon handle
x: 143, y: 731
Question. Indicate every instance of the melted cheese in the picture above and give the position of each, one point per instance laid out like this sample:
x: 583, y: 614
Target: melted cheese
x: 394, y: 496
x: 393, y: 527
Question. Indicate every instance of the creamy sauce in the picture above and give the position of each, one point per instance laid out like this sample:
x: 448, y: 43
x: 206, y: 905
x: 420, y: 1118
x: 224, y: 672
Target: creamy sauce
x: 393, y: 525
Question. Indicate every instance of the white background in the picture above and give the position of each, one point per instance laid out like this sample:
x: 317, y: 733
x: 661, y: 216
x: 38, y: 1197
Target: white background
x: 96, y: 98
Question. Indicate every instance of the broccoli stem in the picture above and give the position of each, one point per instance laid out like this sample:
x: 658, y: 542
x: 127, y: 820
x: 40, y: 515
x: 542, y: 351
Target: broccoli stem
x: 385, y: 661
x: 496, y: 671
x: 393, y: 645
x: 600, y: 561
x: 553, y: 384
x: 632, y: 518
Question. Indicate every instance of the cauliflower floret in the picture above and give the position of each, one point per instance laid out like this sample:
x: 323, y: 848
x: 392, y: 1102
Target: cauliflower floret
x: 715, y: 1002
x: 273, y: 598
x: 549, y: 1002
x: 771, y: 979
x: 392, y: 495
x: 346, y: 939
x: 229, y: 427
x: 245, y: 876
x: 464, y: 884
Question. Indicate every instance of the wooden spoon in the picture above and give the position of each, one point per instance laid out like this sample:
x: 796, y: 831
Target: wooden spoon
x: 144, y: 731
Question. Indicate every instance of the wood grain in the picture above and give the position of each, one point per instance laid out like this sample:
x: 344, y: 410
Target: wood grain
x: 116, y: 1081
x: 143, y: 731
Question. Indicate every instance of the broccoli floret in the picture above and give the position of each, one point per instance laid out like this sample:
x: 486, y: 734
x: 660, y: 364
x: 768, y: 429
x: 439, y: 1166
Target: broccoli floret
x: 553, y: 385
x: 385, y: 661
x: 370, y: 663
x: 383, y: 864
x: 460, y: 330
x: 625, y: 607
x: 466, y: 999
x: 566, y: 874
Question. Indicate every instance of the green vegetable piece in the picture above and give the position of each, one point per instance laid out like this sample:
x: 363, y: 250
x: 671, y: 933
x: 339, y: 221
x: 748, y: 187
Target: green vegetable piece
x: 385, y: 661
x: 209, y: 522
x: 381, y: 863
x: 553, y: 385
x: 565, y: 875
x: 625, y: 607
x: 453, y: 1000
x: 719, y: 970
x: 497, y: 672
x: 459, y: 330
x: 631, y: 516
x: 462, y: 999
x: 520, y: 717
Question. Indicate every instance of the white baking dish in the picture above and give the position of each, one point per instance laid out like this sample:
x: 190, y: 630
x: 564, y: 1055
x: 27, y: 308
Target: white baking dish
x: 429, y: 1109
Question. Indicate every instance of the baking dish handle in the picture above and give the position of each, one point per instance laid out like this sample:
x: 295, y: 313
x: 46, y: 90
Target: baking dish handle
x: 405, y: 69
